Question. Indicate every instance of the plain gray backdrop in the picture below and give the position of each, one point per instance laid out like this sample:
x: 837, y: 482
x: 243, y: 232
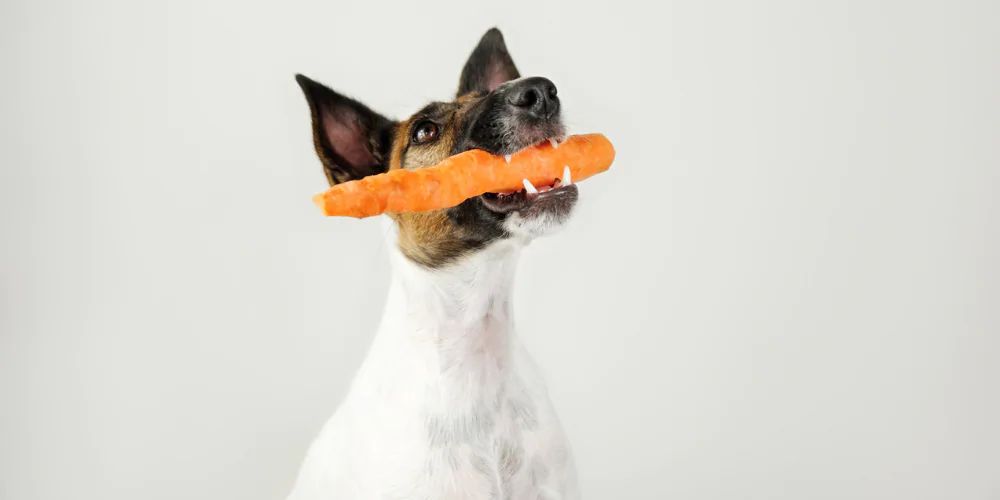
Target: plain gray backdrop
x: 785, y: 288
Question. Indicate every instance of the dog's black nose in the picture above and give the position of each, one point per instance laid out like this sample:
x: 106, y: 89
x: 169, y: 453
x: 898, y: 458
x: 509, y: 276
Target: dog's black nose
x: 535, y: 95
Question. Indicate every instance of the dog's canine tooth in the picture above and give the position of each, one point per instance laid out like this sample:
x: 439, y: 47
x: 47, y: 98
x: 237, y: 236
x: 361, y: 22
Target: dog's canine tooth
x: 566, y: 180
x: 507, y: 157
x: 554, y: 143
x: 530, y: 188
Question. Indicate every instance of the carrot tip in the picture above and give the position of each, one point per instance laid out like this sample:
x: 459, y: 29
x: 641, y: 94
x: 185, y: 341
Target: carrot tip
x: 318, y: 201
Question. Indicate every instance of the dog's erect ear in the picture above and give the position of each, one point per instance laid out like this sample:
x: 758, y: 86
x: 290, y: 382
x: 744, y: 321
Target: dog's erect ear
x: 488, y: 66
x: 351, y: 140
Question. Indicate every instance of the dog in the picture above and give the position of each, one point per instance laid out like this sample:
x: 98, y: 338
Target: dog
x: 447, y: 404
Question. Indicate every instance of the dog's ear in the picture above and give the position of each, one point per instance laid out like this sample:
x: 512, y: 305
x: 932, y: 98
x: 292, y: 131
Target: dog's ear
x: 351, y: 140
x: 489, y: 65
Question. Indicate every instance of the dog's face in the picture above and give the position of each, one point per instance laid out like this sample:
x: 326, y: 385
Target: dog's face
x: 495, y: 110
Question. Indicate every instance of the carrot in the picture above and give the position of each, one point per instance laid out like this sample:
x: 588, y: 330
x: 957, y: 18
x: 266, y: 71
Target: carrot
x: 464, y: 176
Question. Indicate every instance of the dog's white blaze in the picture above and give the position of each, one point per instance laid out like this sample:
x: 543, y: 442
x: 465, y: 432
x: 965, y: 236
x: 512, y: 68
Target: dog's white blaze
x: 447, y: 404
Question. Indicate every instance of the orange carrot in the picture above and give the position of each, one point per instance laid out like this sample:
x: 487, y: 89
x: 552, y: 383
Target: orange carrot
x: 464, y: 176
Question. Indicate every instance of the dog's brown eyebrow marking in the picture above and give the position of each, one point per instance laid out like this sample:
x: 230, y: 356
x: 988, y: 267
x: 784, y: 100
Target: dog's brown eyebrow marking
x: 429, y: 109
x: 476, y: 94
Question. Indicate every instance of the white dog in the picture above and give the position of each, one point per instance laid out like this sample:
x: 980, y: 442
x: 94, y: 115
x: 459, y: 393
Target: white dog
x: 447, y: 405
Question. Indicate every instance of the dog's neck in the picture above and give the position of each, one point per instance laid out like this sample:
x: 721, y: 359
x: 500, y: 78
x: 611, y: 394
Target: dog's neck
x: 464, y: 302
x: 450, y: 330
x: 446, y: 340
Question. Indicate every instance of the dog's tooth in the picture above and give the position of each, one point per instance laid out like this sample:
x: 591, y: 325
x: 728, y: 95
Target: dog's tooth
x: 566, y: 180
x: 554, y: 143
x: 530, y: 188
x: 507, y: 157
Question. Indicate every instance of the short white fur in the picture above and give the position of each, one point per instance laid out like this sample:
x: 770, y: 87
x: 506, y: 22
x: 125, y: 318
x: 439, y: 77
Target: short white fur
x: 447, y: 405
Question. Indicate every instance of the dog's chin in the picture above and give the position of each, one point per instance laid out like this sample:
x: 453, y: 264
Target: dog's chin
x: 546, y: 213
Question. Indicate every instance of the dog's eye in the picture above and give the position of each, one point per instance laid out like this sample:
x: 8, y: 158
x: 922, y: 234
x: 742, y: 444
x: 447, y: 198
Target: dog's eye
x: 425, y: 132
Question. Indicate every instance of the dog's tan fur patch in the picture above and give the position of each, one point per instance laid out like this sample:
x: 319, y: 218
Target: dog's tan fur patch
x: 431, y: 238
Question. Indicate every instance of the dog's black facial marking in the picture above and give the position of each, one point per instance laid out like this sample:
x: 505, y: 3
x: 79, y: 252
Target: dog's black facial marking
x: 516, y: 115
x: 484, y: 225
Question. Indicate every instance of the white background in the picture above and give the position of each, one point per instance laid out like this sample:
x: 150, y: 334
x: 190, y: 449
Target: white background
x: 786, y: 287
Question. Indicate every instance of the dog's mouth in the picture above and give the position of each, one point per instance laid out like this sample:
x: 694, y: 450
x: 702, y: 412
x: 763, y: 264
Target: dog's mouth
x: 557, y: 192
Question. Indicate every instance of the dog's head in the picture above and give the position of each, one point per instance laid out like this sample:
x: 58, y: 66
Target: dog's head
x: 495, y: 110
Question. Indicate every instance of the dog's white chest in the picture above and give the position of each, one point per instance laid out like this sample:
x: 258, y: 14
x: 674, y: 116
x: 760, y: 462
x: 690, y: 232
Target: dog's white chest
x: 447, y: 405
x: 505, y: 443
